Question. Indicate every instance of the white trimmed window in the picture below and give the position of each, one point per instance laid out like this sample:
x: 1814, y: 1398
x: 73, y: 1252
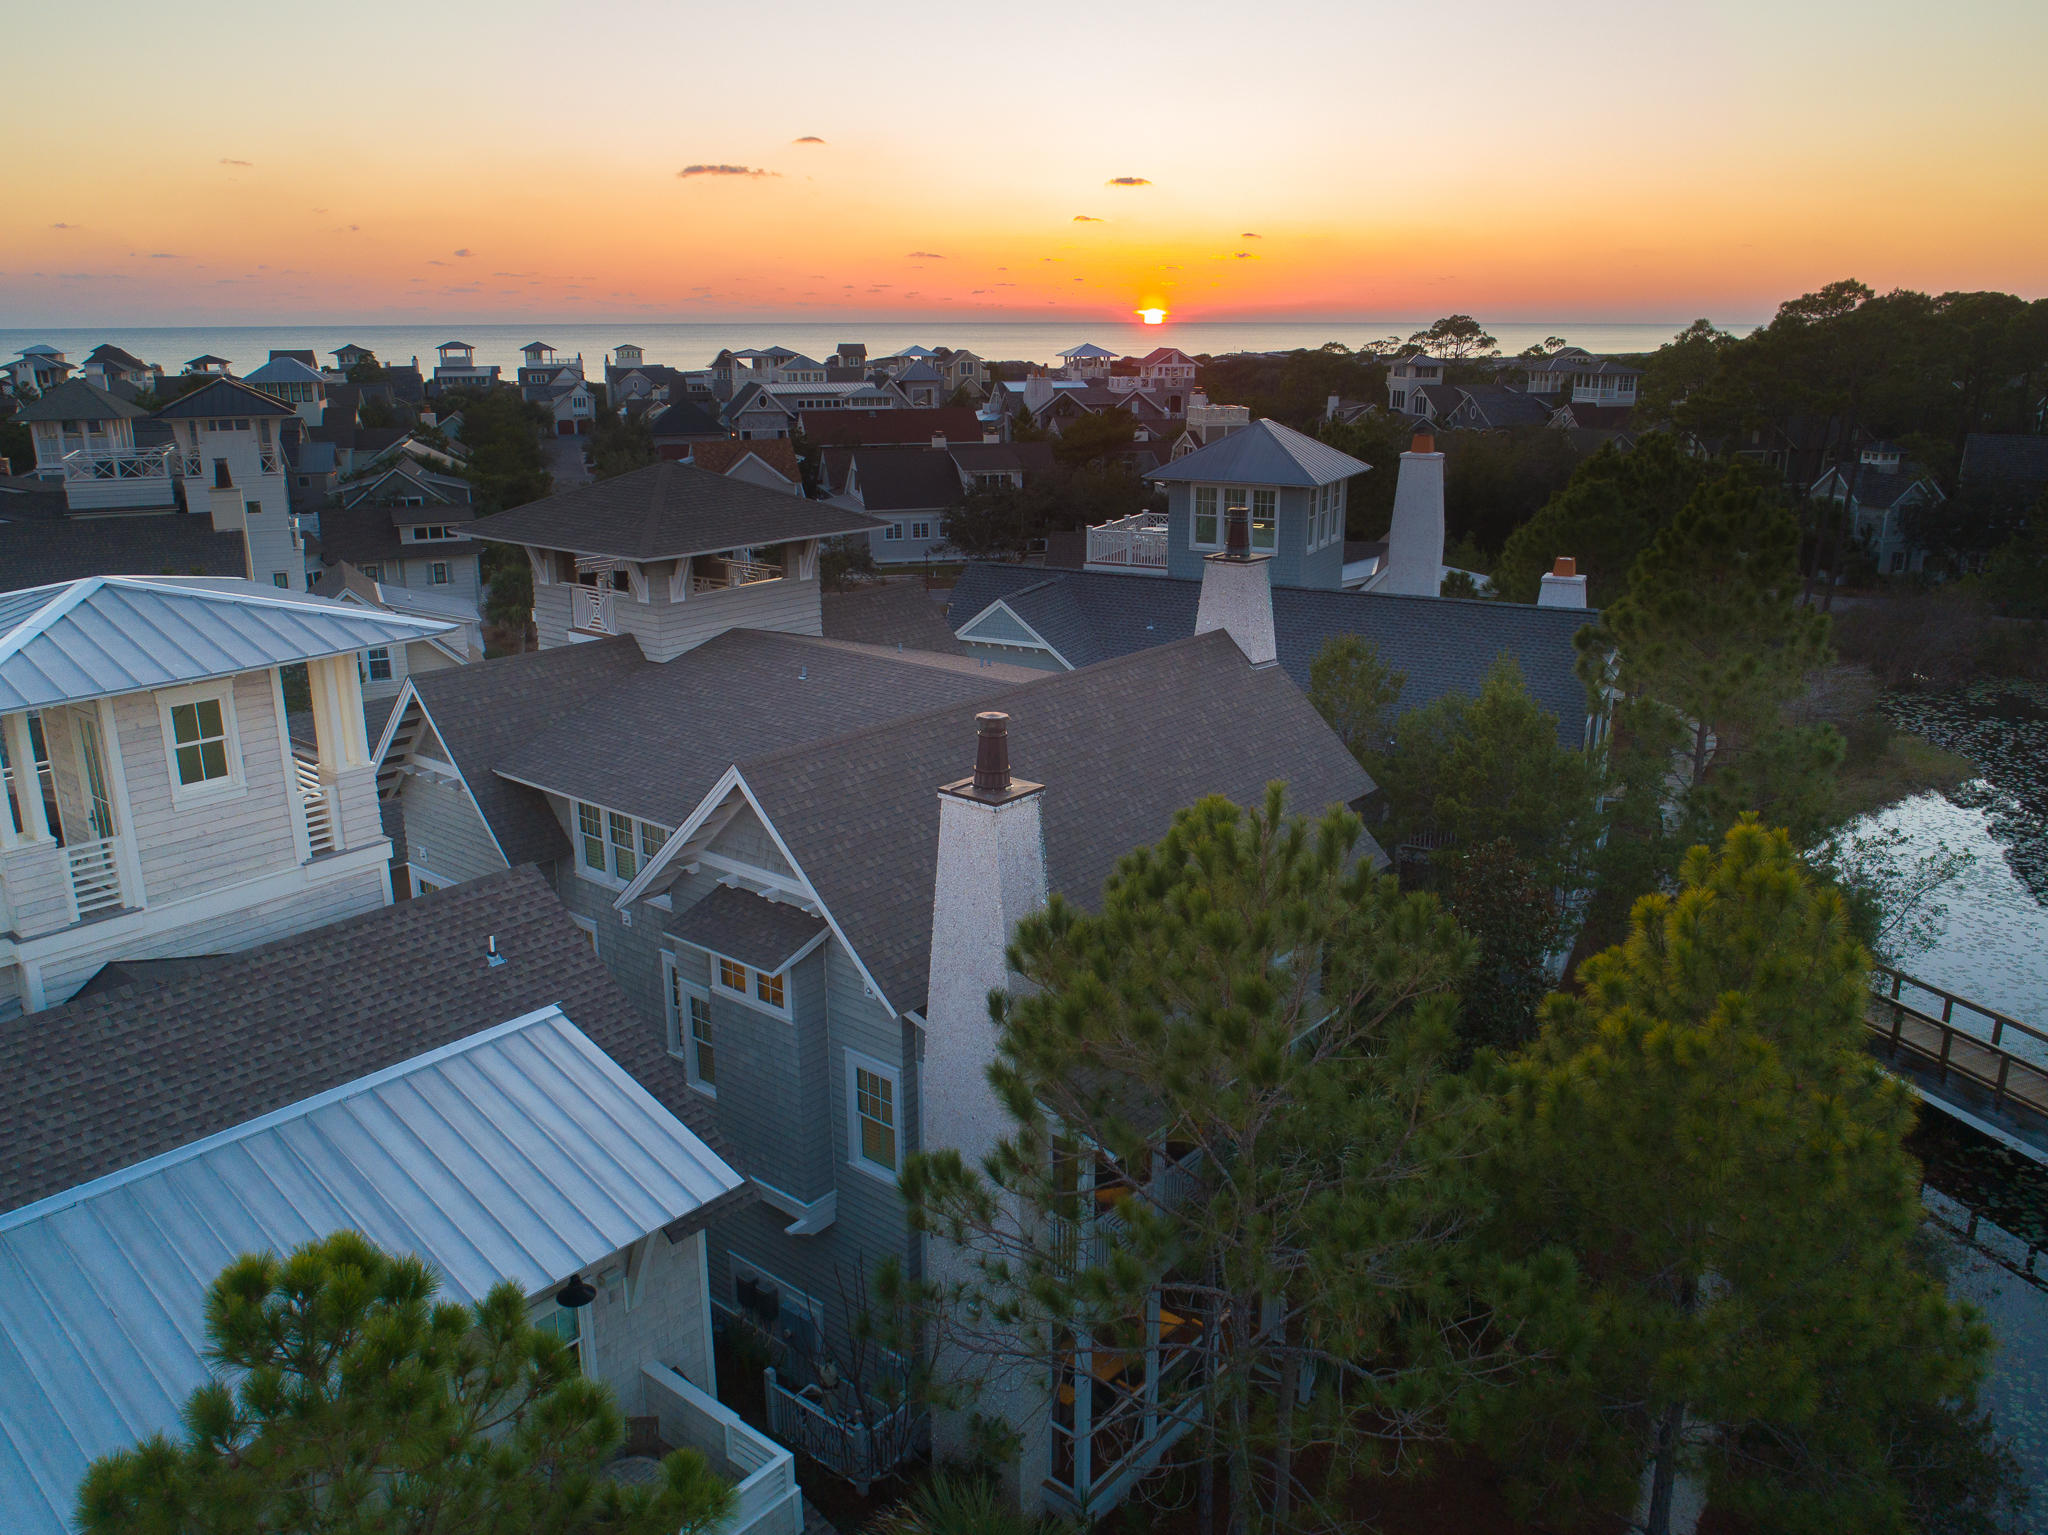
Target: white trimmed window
x: 200, y: 741
x: 378, y: 658
x: 558, y: 1321
x: 1208, y: 521
x: 920, y: 530
x: 612, y: 848
x: 874, y: 1115
x: 1265, y: 519
x: 757, y: 988
x: 893, y: 533
x: 438, y: 573
x: 690, y: 1038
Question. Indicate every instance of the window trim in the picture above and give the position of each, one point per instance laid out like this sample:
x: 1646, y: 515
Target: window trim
x: 677, y: 991
x: 857, y: 1062
x: 747, y: 996
x: 609, y: 875
x: 184, y: 794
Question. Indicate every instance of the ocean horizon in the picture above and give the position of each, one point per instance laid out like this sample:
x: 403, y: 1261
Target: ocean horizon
x: 693, y: 344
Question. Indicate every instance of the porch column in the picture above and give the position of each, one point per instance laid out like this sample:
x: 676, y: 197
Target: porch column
x: 28, y: 788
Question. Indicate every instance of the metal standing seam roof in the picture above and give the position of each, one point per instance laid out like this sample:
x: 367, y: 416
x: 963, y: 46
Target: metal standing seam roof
x: 105, y: 635
x: 1264, y: 453
x: 523, y: 1152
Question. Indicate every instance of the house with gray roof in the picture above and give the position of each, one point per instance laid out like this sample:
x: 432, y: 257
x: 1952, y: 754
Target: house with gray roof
x: 1881, y: 491
x: 909, y: 491
x: 671, y: 554
x: 298, y: 384
x: 158, y: 805
x: 454, y: 1077
x: 38, y: 366
x: 117, y: 369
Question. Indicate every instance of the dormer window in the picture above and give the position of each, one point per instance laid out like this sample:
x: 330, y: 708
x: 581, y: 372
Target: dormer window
x: 757, y: 988
x: 611, y: 848
x: 1213, y: 505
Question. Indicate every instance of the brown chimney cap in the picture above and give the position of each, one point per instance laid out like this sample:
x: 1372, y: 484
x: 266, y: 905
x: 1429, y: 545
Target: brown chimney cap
x: 1423, y: 443
x: 1566, y: 566
x: 991, y: 783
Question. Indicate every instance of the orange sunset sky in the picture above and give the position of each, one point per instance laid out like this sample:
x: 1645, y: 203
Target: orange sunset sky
x: 1597, y: 161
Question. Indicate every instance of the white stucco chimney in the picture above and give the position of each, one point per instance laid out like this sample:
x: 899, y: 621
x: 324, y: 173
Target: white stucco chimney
x: 1237, y: 592
x: 1330, y: 407
x: 1563, y: 586
x: 990, y: 875
x: 1415, y: 542
x: 1038, y: 391
x: 224, y: 500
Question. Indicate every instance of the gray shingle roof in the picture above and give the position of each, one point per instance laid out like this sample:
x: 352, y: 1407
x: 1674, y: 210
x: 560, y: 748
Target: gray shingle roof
x: 224, y: 397
x: 1498, y: 406
x: 484, y: 712
x: 747, y: 927
x: 668, y: 511
x: 2007, y: 463
x: 1264, y: 453
x: 904, y: 479
x: 685, y: 418
x: 1120, y: 747
x: 746, y: 692
x: 76, y: 400
x: 1444, y: 645
x: 42, y: 553
x: 110, y: 1079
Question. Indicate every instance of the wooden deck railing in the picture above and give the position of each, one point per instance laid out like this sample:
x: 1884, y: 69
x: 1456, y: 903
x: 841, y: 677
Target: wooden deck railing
x: 1954, y: 1036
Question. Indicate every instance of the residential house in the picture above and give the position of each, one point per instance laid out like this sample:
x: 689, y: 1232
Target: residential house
x: 1206, y: 423
x: 889, y: 428
x: 297, y: 384
x: 564, y: 1151
x: 756, y: 411
x: 671, y: 554
x: 923, y: 387
x: 1169, y: 372
x: 961, y: 369
x: 1407, y: 375
x: 1495, y: 408
x: 408, y: 527
x: 768, y: 462
x: 1881, y: 492
x: 84, y: 436
x: 1086, y: 362
x: 119, y: 371
x: 678, y: 428
x: 230, y: 439
x: 346, y: 357
x: 157, y: 806
x: 459, y: 369
x: 573, y: 405
x: 38, y: 366
x: 540, y: 370
x: 207, y: 365
x: 1575, y: 376
x: 910, y: 490
x: 385, y: 668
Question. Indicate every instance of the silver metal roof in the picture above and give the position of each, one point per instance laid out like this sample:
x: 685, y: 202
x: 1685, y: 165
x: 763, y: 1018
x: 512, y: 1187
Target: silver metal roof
x: 1264, y: 453
x: 104, y: 635
x: 523, y: 1152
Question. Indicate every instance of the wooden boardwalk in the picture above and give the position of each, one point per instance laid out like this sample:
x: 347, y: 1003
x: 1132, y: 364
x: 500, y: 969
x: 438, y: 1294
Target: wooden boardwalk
x: 1933, y: 1032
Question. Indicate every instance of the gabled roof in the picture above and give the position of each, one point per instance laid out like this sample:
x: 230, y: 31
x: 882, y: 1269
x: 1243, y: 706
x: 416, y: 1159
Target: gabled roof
x: 224, y: 397
x: 107, y: 352
x: 668, y: 511
x: 1443, y: 645
x: 1085, y: 351
x: 698, y: 714
x: 39, y: 349
x: 1120, y: 747
x: 902, y: 479
x: 1264, y: 453
x: 517, y: 1121
x: 1498, y: 406
x: 684, y: 418
x: 723, y: 456
x: 104, y: 635
x: 919, y: 372
x: 759, y: 933
x: 284, y: 370
x: 1163, y: 354
x: 206, y: 359
x: 76, y: 400
x: 2006, y: 461
x: 876, y: 428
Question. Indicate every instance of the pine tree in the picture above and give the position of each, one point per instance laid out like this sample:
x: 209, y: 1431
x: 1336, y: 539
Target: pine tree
x: 1355, y: 692
x: 350, y: 1402
x: 1233, y: 1141
x: 1703, y: 1132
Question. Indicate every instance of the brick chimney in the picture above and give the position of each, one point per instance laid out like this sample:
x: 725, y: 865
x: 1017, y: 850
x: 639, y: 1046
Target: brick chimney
x: 990, y: 874
x: 1415, y: 542
x: 1563, y: 586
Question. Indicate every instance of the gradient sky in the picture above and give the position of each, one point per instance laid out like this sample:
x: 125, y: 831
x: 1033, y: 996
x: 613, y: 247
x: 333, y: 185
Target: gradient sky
x: 1508, y: 159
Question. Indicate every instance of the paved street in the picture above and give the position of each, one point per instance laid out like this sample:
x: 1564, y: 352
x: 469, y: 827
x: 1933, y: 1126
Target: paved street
x: 565, y: 461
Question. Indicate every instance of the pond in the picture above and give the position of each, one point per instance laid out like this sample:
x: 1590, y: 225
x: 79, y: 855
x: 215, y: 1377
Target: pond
x: 1990, y: 945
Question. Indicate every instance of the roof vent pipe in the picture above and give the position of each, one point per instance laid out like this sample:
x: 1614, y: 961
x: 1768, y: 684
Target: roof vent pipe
x: 992, y: 752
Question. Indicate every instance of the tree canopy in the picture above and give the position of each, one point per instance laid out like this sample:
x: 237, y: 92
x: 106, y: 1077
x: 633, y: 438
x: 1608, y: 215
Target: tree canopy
x: 1604, y: 517
x: 349, y: 1401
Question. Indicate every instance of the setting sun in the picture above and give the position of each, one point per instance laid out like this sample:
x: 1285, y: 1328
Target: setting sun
x: 1152, y: 316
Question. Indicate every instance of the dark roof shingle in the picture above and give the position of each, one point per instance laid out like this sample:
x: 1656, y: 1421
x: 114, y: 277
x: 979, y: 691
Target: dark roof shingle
x: 750, y: 928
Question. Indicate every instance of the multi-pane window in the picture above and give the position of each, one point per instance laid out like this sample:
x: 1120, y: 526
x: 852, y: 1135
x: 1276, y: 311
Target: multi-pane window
x: 873, y: 1089
x: 1265, y: 519
x: 615, y: 846
x: 559, y: 1321
x: 768, y: 988
x: 761, y: 987
x: 703, y: 1055
x: 1208, y: 529
x: 732, y: 975
x: 200, y: 733
x: 438, y: 573
x: 920, y: 530
x: 379, y: 657
x: 893, y: 533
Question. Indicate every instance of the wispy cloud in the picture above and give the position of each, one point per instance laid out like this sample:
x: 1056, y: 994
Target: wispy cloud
x: 242, y: 164
x: 689, y: 171
x: 63, y: 226
x: 464, y: 253
x: 1088, y: 218
x: 1248, y: 235
x: 163, y: 255
x: 808, y: 138
x: 1128, y: 181
x: 925, y: 256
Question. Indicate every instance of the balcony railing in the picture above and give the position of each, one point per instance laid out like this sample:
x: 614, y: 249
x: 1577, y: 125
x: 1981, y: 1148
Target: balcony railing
x: 317, y: 796
x: 95, y: 870
x: 590, y: 610
x: 718, y: 574
x: 766, y: 1498
x: 814, y: 1422
x: 101, y: 463
x: 1136, y: 542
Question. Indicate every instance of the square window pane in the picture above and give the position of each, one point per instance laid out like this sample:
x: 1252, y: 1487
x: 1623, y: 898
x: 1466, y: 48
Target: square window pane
x: 732, y: 976
x: 209, y: 717
x: 185, y: 722
x: 769, y: 989
x: 213, y: 759
x: 189, y: 769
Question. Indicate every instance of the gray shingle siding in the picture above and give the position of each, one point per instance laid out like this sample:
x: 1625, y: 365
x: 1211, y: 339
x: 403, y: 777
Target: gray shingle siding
x: 1292, y: 563
x: 444, y: 834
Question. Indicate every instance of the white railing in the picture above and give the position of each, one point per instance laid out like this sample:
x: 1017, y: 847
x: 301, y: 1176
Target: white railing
x: 1137, y: 541
x: 91, y: 463
x: 766, y: 1498
x: 317, y: 796
x: 728, y: 573
x: 95, y: 870
x: 590, y: 609
x: 860, y: 1452
x: 268, y: 461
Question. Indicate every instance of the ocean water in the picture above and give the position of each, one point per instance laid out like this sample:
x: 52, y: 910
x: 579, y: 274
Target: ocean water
x: 694, y: 345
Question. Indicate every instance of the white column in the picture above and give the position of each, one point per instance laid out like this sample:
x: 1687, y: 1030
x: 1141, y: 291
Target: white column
x: 28, y: 788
